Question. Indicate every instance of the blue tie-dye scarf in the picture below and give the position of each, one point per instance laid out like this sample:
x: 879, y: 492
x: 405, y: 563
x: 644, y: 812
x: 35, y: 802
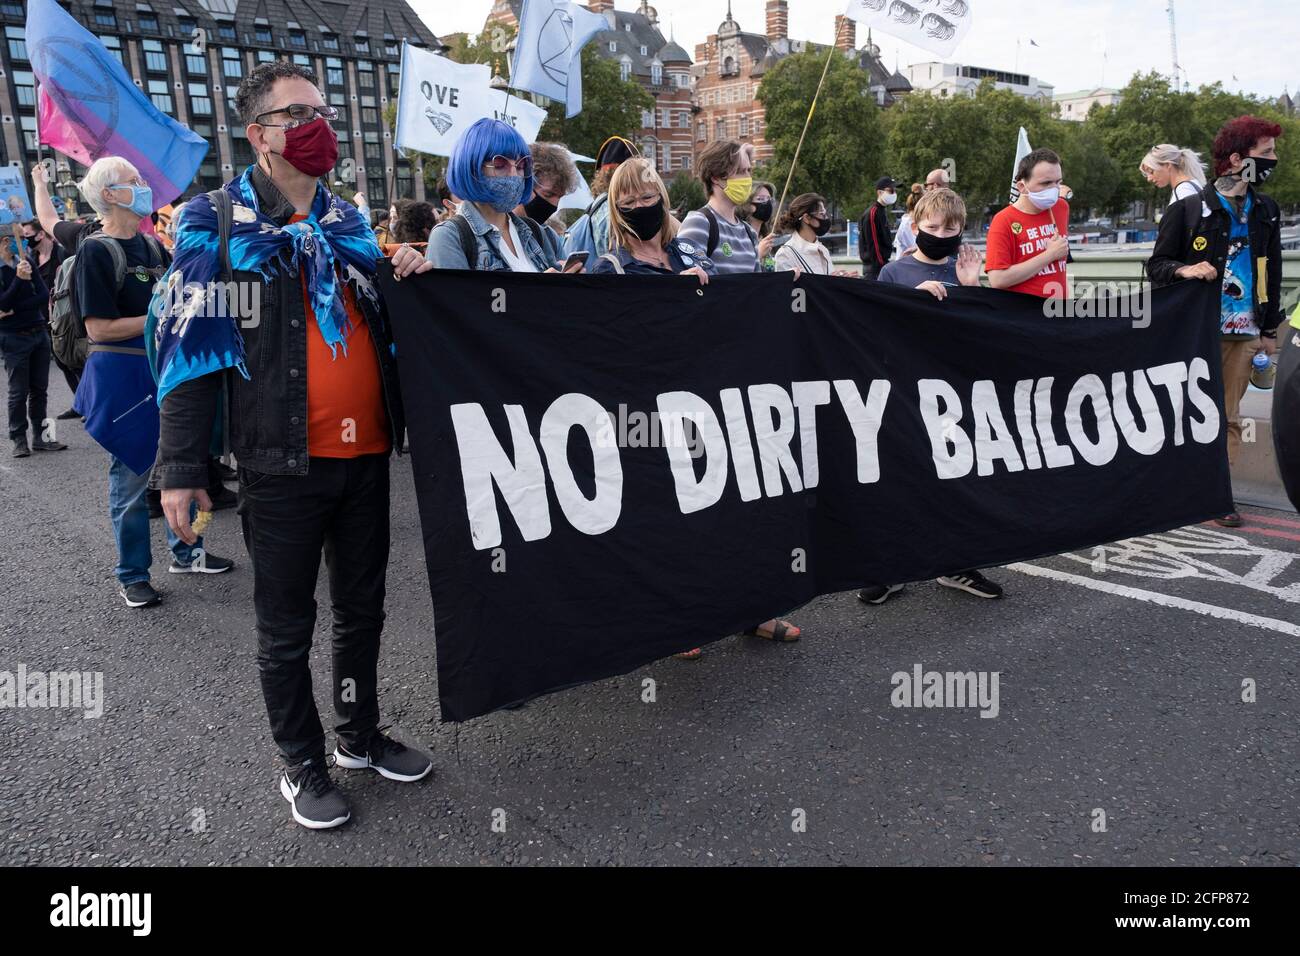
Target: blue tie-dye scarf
x: 196, y: 330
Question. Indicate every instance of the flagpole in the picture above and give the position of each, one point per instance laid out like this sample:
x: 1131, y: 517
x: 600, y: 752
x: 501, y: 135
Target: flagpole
x: 776, y: 214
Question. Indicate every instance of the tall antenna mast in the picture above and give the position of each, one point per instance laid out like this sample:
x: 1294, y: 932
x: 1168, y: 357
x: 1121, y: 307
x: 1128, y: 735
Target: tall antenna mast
x: 1173, y: 48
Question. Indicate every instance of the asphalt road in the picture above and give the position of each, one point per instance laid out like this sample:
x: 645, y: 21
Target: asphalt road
x: 1120, y: 691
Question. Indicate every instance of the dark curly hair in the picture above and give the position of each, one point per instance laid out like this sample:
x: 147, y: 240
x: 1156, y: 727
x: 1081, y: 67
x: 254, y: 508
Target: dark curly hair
x: 415, y: 220
x: 255, y: 89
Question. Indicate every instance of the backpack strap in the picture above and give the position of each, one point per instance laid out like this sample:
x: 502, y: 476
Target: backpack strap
x: 1191, y: 217
x: 714, y: 233
x: 468, y: 241
x: 115, y: 250
x: 224, y: 207
x: 613, y: 261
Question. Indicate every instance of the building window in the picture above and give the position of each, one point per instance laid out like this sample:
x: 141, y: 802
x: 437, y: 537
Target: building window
x: 721, y: 128
x: 262, y: 34
x: 337, y: 98
x: 613, y: 46
x: 196, y: 64
x: 744, y: 126
x: 231, y: 64
x: 361, y: 44
x: 265, y: 56
x: 298, y: 38
x: 185, y: 27
x: 302, y: 59
x: 644, y: 51
x: 12, y: 9
x: 390, y: 47
x: 333, y: 75
x: 200, y: 101
x: 365, y: 79
x: 656, y: 73
x: 29, y: 131
x: 155, y: 60
x: 161, y: 95
x: 17, y: 37
x: 114, y: 46
x: 647, y: 119
x: 26, y: 87
x: 701, y: 132
x: 625, y: 69
x: 369, y: 116
x: 149, y: 23
x: 105, y: 15
x: 329, y: 41
x: 225, y: 31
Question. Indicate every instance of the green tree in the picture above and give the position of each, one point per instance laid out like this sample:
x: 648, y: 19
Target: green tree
x: 844, y: 149
x: 685, y: 192
x: 973, y: 137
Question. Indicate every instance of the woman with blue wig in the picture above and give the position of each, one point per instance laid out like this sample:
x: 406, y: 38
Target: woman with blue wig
x: 491, y: 170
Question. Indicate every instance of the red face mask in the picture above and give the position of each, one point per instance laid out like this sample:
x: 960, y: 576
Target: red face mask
x: 312, y: 148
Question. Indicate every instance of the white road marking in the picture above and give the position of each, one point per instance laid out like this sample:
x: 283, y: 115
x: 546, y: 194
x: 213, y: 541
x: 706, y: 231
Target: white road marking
x: 1164, y: 600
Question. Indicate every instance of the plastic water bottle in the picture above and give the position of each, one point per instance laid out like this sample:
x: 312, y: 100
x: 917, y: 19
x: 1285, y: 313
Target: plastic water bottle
x: 1262, y: 371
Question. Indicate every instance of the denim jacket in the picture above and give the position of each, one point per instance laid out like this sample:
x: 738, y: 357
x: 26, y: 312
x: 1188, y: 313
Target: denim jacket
x: 445, y: 250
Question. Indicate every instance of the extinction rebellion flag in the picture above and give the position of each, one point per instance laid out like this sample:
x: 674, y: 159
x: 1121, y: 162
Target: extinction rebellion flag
x: 613, y: 469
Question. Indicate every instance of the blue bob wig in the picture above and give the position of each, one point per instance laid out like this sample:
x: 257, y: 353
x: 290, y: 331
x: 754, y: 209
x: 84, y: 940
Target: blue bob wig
x: 477, y: 145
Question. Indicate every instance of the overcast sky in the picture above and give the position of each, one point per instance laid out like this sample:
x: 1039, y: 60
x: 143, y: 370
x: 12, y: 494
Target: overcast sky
x: 1253, y: 41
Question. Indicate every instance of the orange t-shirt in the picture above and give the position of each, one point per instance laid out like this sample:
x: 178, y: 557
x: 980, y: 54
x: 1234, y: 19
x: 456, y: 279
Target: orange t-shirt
x: 1015, y: 237
x: 346, y: 417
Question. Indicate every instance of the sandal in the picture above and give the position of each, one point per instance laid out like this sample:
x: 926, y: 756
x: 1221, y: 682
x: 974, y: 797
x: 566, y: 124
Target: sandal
x: 692, y: 655
x: 781, y: 631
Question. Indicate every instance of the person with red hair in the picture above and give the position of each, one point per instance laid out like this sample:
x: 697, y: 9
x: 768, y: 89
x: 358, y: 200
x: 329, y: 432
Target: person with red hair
x: 1232, y: 235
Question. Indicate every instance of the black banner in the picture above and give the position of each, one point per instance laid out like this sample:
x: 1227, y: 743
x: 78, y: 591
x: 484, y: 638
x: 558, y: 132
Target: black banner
x: 844, y: 432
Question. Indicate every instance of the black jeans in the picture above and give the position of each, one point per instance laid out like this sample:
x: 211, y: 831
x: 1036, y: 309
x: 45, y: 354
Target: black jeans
x: 27, y: 363
x: 341, y: 507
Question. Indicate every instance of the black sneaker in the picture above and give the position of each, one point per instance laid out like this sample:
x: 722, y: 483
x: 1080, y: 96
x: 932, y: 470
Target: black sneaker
x: 40, y: 444
x: 972, y: 582
x: 67, y: 416
x: 316, y: 802
x: 206, y: 564
x: 393, y: 760
x: 878, y: 593
x: 20, y: 448
x: 140, y: 594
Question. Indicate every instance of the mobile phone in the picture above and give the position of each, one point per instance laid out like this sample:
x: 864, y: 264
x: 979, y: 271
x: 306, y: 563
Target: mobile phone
x: 575, y: 259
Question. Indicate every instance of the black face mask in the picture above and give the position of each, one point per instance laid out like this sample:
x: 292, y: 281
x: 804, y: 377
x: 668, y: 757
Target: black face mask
x: 763, y: 210
x: 1263, y: 168
x: 823, y: 226
x: 539, y: 210
x: 645, y: 221
x: 932, y: 247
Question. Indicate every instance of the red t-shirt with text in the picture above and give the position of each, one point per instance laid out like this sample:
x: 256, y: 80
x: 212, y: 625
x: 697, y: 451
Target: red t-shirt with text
x: 1015, y: 237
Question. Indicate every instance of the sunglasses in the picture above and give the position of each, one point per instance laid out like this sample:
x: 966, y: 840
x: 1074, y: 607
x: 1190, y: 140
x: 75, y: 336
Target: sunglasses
x: 299, y: 114
x: 523, y: 166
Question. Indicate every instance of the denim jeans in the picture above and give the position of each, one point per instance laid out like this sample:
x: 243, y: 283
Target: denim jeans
x: 339, y: 507
x: 27, y: 364
x: 130, y: 516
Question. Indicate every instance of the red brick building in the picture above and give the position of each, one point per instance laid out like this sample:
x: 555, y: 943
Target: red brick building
x: 730, y: 65
x: 636, y: 43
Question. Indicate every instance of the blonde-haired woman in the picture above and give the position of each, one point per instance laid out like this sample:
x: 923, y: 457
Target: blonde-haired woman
x: 642, y: 234
x: 1171, y: 167
x: 643, y: 240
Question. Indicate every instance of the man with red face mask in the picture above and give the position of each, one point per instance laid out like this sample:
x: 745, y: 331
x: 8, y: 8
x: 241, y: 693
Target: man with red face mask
x: 314, y: 412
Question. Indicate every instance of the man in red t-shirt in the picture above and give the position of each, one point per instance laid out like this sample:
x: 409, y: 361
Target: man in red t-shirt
x: 1027, y: 244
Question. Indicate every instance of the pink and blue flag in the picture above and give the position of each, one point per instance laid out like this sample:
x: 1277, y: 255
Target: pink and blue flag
x: 89, y: 107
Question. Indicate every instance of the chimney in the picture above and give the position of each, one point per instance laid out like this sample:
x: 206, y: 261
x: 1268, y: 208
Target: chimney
x: 600, y: 6
x: 846, y: 33
x: 778, y: 19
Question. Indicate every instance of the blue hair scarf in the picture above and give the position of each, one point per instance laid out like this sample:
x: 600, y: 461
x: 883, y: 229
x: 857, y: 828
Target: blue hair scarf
x: 194, y: 330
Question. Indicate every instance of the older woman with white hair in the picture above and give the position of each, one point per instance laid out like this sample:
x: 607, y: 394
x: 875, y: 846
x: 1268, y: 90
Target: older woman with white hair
x: 115, y: 273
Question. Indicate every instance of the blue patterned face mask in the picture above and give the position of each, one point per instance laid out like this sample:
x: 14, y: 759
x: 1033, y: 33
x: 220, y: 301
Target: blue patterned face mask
x: 141, y: 199
x: 506, y: 192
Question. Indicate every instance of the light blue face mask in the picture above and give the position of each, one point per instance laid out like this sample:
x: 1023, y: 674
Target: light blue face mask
x: 141, y: 199
x: 506, y: 192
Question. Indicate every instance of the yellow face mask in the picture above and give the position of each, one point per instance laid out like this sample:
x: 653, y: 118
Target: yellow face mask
x: 739, y: 188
